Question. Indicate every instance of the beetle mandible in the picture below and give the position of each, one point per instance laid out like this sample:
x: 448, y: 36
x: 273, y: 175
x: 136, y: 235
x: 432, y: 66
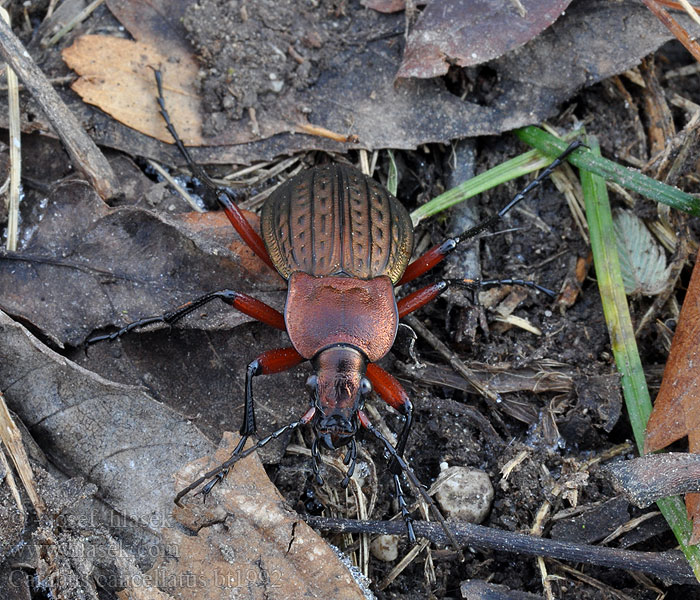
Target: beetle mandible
x: 343, y: 243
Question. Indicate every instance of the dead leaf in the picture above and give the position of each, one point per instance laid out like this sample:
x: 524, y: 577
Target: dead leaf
x: 357, y: 95
x: 676, y: 410
x: 114, y: 435
x: 115, y: 265
x: 157, y: 23
x: 455, y: 32
x: 247, y: 542
x: 128, y: 444
x: 117, y: 75
x: 384, y: 6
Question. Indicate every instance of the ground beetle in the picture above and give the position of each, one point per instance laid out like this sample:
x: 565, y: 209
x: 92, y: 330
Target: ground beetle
x: 343, y: 243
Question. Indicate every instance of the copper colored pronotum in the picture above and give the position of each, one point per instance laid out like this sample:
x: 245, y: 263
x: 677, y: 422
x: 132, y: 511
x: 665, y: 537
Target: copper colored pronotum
x: 343, y: 243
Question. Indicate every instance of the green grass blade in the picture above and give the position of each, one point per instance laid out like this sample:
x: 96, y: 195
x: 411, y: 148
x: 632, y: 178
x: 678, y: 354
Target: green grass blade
x: 624, y: 345
x: 516, y: 167
x: 611, y: 171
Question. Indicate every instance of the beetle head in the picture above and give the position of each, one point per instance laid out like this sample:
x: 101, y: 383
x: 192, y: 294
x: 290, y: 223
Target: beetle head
x: 338, y: 388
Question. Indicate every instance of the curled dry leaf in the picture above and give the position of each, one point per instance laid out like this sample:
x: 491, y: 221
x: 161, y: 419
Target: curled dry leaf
x: 455, y: 32
x: 356, y: 93
x: 128, y: 444
x: 676, y: 410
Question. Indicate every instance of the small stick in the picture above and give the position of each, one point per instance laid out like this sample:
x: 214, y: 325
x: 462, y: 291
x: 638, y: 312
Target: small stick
x: 319, y: 131
x: 178, y: 188
x: 12, y: 439
x: 83, y: 151
x: 452, y: 358
x: 645, y: 479
x: 667, y: 565
x: 79, y: 18
x: 15, y: 153
x: 674, y: 27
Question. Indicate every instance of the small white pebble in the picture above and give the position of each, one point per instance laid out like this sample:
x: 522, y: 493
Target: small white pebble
x: 467, y: 495
x: 385, y: 547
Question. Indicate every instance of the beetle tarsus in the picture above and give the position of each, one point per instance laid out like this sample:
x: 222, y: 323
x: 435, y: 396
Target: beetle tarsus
x: 239, y: 453
x: 403, y: 507
x: 436, y: 254
x: 413, y: 480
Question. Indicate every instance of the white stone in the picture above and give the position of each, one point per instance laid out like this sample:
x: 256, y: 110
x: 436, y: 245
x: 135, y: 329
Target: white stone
x: 467, y: 494
x: 385, y: 547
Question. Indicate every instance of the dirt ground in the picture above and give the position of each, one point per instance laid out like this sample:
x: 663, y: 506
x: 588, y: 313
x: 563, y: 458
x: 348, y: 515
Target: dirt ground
x: 555, y: 431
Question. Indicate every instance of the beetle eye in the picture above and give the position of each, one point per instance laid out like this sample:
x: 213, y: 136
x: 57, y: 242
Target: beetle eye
x: 365, y: 386
x: 312, y: 383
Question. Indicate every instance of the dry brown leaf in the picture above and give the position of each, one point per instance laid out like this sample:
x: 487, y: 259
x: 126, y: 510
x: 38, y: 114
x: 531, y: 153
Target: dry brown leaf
x: 110, y: 260
x: 677, y: 407
x: 357, y: 93
x: 469, y: 33
x: 117, y: 75
x: 247, y: 542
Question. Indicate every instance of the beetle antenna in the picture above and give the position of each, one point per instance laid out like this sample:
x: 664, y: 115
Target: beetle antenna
x: 415, y: 484
x: 214, y: 195
x: 474, y: 284
x: 492, y: 220
x: 222, y: 470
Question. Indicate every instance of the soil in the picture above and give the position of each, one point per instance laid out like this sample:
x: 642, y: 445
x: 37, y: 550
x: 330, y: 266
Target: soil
x: 553, y: 434
x: 241, y: 40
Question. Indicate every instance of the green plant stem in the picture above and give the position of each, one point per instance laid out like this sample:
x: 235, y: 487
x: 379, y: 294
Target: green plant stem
x: 611, y: 171
x: 516, y: 167
x: 624, y: 345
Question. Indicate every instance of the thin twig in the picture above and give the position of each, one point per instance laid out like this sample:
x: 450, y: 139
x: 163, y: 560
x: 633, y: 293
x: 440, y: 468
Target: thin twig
x: 176, y: 186
x: 84, y: 153
x: 79, y: 18
x: 690, y: 9
x: 15, y: 153
x: 669, y: 565
x: 12, y: 439
x: 674, y: 27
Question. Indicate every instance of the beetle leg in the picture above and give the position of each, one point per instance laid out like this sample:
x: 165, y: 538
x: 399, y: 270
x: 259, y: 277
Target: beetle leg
x: 392, y: 392
x: 426, y: 294
x: 405, y: 513
x: 214, y: 192
x: 437, y: 253
x: 315, y: 461
x: 420, y: 298
x: 418, y: 487
x: 351, y: 460
x: 220, y: 472
x: 271, y: 361
x: 242, y: 302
